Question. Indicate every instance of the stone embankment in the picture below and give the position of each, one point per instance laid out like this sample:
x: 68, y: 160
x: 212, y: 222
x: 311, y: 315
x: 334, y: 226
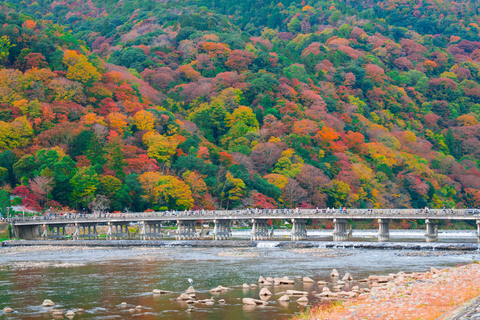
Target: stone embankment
x: 247, y: 244
x: 427, y: 296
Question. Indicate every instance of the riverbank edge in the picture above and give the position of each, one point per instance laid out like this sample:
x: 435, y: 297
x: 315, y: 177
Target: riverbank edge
x: 463, y: 311
x: 248, y: 244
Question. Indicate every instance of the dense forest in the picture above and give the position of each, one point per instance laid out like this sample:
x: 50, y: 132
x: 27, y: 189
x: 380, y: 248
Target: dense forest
x: 154, y: 105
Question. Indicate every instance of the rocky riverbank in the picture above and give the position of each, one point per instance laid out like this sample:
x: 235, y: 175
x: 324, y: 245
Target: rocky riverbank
x: 245, y: 244
x: 426, y: 296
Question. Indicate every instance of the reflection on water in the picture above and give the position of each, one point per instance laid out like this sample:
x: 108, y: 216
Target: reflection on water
x: 109, y: 277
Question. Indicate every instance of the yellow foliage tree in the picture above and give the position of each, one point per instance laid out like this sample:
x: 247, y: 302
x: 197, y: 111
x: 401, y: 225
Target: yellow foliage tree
x: 276, y: 179
x: 166, y: 190
x: 161, y: 147
x: 117, y: 121
x: 15, y: 134
x: 79, y: 68
x: 144, y: 120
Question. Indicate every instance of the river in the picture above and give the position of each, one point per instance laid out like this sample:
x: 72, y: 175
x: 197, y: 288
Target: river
x: 100, y: 279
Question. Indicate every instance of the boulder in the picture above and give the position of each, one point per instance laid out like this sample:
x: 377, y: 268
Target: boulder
x: 269, y: 279
x: 341, y: 282
x: 296, y: 293
x: 209, y: 303
x: 322, y: 283
x: 80, y: 310
x: 284, y: 298
x: 326, y: 289
x: 131, y: 310
x: 348, y: 294
x: 253, y: 285
x: 286, y: 278
x: 288, y: 282
x: 191, y: 309
x: 253, y: 302
x: 335, y: 273
x: 70, y: 313
x: 158, y: 291
x: 57, y: 313
x: 261, y: 279
x: 246, y: 286
x: 326, y: 295
x: 267, y: 283
x: 123, y: 303
x: 184, y: 296
x: 190, y: 290
x: 219, y: 289
x: 222, y: 301
x: 434, y: 271
x: 265, y: 292
x: 138, y: 307
x: 48, y: 303
x: 308, y: 280
x: 302, y: 299
x: 7, y: 310
x: 347, y: 277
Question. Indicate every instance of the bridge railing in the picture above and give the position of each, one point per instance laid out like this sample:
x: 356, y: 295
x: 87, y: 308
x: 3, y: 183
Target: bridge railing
x: 255, y: 213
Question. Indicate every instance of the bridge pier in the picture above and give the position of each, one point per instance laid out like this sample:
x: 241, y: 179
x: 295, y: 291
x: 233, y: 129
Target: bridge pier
x: 299, y: 229
x: 222, y: 230
x: 116, y: 230
x: 478, y: 229
x: 185, y: 230
x: 151, y: 230
x: 88, y: 230
x: 383, y: 230
x: 54, y: 232
x: 432, y: 230
x: 340, y: 231
x: 259, y: 229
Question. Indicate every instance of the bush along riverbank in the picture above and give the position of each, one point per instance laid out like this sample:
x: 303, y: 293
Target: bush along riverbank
x: 425, y: 296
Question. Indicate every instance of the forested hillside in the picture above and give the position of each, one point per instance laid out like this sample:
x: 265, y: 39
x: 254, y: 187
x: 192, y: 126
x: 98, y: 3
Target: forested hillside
x: 152, y: 105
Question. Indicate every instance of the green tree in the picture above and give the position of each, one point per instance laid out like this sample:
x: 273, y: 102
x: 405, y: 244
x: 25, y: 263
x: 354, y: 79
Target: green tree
x: 84, y: 185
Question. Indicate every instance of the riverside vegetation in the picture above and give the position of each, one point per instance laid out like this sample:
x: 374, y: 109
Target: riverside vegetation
x: 145, y: 105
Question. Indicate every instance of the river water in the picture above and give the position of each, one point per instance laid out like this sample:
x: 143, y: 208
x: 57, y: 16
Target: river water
x: 100, y: 279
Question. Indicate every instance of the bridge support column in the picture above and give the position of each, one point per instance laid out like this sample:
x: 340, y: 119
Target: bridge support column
x: 432, y: 230
x: 259, y: 229
x: 299, y: 229
x: 89, y: 231
x: 340, y: 231
x: 117, y: 230
x: 383, y: 231
x: 478, y: 229
x: 151, y: 230
x: 186, y: 229
x: 222, y: 230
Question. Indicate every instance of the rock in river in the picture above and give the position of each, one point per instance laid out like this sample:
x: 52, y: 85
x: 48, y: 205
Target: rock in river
x: 48, y: 303
x: 7, y: 310
x: 265, y: 292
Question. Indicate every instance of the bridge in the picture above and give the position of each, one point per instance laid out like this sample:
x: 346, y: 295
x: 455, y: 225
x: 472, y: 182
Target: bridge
x: 150, y: 224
